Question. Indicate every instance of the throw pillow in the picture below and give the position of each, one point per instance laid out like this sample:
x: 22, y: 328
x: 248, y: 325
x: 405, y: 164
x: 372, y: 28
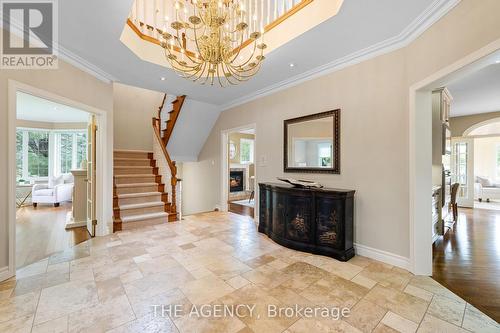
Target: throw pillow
x: 54, y: 181
x: 485, y: 182
x: 68, y: 178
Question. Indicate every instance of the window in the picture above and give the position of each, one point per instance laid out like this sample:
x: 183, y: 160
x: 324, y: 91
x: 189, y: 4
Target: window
x: 81, y: 148
x: 19, y: 155
x: 39, y: 150
x: 246, y: 151
x: 71, y: 150
x: 325, y: 155
x: 66, y: 151
x: 38, y: 154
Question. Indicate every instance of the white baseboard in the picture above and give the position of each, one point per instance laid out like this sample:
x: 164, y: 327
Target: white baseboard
x: 386, y: 257
x: 5, y: 273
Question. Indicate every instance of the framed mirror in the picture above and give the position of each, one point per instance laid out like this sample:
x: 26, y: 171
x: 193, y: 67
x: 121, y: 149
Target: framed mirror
x: 312, y: 143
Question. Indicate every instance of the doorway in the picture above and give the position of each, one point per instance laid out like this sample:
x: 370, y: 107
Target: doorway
x: 42, y: 156
x: 239, y: 171
x: 51, y: 152
x: 451, y: 244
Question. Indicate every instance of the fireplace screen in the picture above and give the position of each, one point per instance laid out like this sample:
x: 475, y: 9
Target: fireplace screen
x: 236, y: 181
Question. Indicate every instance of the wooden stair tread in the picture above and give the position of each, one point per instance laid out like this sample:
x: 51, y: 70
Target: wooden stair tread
x: 150, y: 216
x: 136, y: 195
x: 133, y: 167
x: 135, y: 175
x: 140, y: 205
x: 132, y: 151
x: 135, y: 185
x: 130, y: 159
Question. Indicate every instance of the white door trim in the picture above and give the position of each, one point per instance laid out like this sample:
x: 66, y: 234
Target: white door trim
x: 104, y: 160
x: 225, y: 165
x: 420, y: 158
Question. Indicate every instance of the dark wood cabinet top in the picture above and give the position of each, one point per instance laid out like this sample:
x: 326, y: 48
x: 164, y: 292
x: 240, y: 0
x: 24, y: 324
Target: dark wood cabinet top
x: 290, y: 188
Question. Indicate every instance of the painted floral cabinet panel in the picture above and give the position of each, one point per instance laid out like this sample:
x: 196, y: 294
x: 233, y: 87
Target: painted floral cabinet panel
x: 313, y: 220
x: 329, y: 213
x: 298, y: 218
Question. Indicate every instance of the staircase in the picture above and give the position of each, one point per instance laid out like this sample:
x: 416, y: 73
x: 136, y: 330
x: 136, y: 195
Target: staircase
x: 172, y: 118
x: 139, y: 197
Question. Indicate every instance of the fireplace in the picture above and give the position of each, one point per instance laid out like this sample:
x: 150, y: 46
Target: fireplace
x: 236, y: 181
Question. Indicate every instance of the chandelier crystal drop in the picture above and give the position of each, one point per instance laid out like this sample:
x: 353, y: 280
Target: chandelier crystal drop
x: 210, y: 41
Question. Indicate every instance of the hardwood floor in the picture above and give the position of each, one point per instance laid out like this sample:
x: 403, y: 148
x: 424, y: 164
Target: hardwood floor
x: 241, y: 209
x: 41, y: 232
x: 467, y: 260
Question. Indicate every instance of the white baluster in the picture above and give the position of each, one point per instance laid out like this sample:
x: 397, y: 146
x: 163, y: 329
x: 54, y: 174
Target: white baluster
x: 155, y: 19
x: 268, y: 13
x: 250, y: 2
x: 132, y: 14
x: 137, y: 17
x: 145, y: 17
x: 261, y: 20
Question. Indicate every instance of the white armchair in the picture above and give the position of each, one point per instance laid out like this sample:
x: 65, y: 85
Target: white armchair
x: 42, y: 193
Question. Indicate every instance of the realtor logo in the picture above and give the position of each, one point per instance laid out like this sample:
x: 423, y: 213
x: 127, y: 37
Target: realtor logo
x: 29, y: 34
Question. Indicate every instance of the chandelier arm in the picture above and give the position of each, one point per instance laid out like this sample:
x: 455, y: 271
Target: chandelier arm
x: 197, y: 44
x: 207, y: 77
x: 196, y: 72
x: 239, y: 75
x: 239, y: 47
x: 243, y: 72
x: 218, y: 77
x: 195, y: 77
x: 188, y: 56
x: 224, y: 68
x: 195, y: 30
x: 250, y: 58
x: 251, y: 71
x: 177, y: 62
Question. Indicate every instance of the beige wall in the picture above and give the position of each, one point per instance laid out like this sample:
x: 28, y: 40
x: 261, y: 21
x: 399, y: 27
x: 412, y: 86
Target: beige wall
x: 485, y: 157
x: 374, y: 98
x: 67, y: 81
x: 133, y: 110
x: 458, y: 125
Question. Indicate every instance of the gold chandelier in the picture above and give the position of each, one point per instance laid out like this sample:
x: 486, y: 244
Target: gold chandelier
x: 214, y: 40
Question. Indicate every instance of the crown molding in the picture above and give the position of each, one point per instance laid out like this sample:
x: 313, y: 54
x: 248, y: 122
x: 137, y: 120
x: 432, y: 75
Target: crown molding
x: 67, y: 56
x: 84, y: 65
x: 425, y: 20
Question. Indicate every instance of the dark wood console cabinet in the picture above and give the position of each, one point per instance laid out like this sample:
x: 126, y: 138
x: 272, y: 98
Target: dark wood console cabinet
x: 318, y: 221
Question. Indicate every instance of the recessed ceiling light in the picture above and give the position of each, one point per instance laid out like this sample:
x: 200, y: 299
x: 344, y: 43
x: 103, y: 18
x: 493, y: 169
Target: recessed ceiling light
x: 162, y: 78
x: 292, y: 65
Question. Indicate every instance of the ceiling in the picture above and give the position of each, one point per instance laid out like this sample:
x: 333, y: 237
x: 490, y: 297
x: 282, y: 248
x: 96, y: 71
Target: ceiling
x: 478, y: 92
x: 356, y: 30
x: 34, y: 108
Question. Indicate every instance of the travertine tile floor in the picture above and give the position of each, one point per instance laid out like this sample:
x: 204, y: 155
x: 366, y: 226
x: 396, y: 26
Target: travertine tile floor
x: 113, y: 283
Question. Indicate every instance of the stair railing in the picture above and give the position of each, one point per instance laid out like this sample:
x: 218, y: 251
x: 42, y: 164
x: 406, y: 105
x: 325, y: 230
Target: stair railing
x: 171, y: 164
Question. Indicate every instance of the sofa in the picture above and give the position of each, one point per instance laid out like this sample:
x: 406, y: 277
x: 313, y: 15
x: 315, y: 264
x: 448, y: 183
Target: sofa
x: 485, y: 189
x: 59, y: 189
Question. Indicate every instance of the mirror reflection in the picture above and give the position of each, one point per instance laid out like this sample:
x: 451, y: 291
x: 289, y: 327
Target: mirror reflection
x: 310, y: 143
